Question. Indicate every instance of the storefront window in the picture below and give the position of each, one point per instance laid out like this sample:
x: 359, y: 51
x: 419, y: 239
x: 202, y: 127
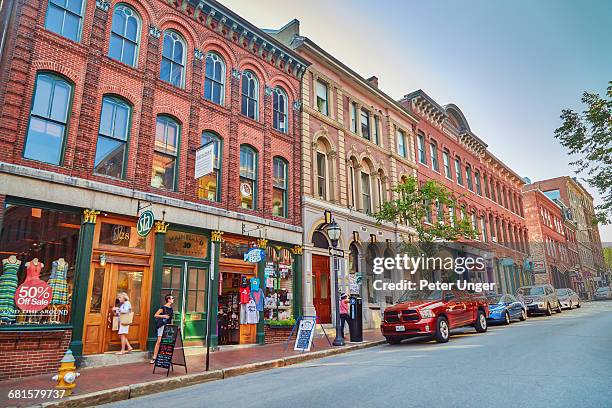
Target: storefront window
x: 278, y: 284
x: 121, y: 235
x: 38, y: 248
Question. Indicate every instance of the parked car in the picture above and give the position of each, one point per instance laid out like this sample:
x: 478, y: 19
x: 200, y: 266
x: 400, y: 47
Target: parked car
x: 505, y: 308
x: 568, y: 298
x: 603, y: 293
x: 540, y: 299
x: 434, y: 313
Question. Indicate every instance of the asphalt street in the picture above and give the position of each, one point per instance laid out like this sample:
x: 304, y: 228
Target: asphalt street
x: 564, y: 360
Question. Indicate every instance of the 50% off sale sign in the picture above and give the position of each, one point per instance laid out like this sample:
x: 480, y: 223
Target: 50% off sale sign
x: 33, y: 296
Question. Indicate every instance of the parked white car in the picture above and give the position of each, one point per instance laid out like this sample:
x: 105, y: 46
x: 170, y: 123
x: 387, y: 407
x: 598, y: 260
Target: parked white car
x: 603, y: 293
x: 568, y: 298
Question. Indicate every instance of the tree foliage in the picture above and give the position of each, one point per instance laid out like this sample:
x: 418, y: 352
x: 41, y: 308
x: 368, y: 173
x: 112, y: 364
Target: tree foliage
x: 589, y: 136
x: 413, y: 204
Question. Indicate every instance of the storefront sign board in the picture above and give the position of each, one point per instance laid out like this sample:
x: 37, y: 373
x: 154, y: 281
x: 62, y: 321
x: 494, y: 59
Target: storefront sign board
x: 306, y: 328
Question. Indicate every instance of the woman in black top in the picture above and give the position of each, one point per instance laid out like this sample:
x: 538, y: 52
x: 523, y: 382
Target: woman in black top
x: 163, y: 316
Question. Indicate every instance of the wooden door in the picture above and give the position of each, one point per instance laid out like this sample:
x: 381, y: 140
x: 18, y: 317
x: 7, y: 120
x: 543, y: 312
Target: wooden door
x: 128, y: 279
x: 96, y: 311
x: 321, y: 296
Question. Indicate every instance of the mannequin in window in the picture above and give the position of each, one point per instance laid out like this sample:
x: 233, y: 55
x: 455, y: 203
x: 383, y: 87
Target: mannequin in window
x: 33, y: 269
x: 8, y: 286
x: 59, y: 282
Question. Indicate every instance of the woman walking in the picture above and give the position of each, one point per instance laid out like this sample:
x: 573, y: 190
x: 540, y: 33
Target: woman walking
x: 163, y: 316
x: 124, y: 311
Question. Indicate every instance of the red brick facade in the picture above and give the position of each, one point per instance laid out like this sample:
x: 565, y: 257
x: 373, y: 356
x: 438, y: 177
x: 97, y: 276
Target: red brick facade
x: 93, y: 74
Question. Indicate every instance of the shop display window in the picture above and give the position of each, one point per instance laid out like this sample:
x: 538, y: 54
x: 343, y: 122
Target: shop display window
x: 38, y: 248
x: 278, y: 284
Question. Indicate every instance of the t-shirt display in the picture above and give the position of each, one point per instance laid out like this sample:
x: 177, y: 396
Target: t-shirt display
x: 278, y: 285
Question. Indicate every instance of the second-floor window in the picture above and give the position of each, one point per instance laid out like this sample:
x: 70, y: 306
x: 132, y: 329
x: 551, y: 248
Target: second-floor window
x: 468, y: 177
x: 173, y: 59
x: 477, y: 182
x: 124, y: 35
x: 214, y: 79
x: 421, y: 148
x: 447, y: 167
x: 353, y: 117
x: 65, y: 17
x: 322, y: 175
x: 165, y: 155
x: 111, y: 149
x: 485, y: 182
x: 248, y: 177
x: 321, y: 95
x: 458, y: 171
x: 250, y: 95
x: 401, y: 143
x: 365, y: 193
x: 433, y: 152
x: 376, y: 130
x: 209, y: 186
x: 279, y: 108
x: 48, y: 119
x: 365, y: 124
x: 279, y: 184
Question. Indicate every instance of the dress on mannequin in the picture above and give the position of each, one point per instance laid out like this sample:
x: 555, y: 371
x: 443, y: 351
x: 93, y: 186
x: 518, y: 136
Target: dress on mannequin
x: 59, y: 283
x: 8, y: 286
x: 33, y: 269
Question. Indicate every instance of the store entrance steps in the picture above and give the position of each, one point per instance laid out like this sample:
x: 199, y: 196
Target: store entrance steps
x: 110, y: 359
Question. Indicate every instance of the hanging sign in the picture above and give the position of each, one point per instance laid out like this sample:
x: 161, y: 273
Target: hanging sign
x: 303, y: 340
x: 170, y: 351
x: 255, y: 255
x: 145, y: 223
x: 205, y: 159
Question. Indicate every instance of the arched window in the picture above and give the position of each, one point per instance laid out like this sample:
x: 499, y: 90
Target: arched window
x: 370, y: 256
x: 209, y: 186
x: 173, y: 59
x: 353, y: 261
x: 250, y: 95
x: 352, y: 185
x: 366, y: 189
x: 279, y: 185
x: 214, y: 80
x: 387, y: 271
x: 381, y: 188
x: 319, y: 240
x: 65, y: 17
x: 125, y: 34
x: 279, y: 108
x: 248, y: 177
x: 48, y: 119
x: 113, y: 132
x: 165, y: 155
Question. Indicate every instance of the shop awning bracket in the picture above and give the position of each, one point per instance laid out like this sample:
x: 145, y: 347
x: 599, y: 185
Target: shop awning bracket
x: 142, y: 207
x: 248, y: 231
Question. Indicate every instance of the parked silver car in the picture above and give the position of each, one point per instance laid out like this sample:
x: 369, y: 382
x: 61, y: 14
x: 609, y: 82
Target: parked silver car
x: 539, y: 299
x: 603, y: 293
x: 568, y: 298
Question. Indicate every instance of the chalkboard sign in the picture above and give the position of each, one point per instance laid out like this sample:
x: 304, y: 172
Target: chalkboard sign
x: 171, y: 350
x: 306, y: 328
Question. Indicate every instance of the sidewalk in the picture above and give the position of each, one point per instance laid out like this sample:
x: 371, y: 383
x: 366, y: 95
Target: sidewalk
x: 223, y: 364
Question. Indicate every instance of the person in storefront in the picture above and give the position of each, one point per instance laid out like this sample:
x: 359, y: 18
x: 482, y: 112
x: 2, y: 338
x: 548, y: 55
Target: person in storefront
x: 163, y: 316
x: 124, y: 309
x: 344, y: 312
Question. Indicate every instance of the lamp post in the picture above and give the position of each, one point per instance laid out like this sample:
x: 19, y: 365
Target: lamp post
x: 333, y: 231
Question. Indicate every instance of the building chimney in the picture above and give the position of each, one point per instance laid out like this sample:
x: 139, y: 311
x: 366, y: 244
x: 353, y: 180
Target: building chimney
x: 373, y: 80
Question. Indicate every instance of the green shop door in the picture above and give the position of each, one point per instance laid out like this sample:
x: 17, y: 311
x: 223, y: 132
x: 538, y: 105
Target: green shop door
x: 186, y: 281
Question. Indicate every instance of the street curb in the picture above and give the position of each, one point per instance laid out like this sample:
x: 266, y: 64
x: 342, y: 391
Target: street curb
x: 167, y: 384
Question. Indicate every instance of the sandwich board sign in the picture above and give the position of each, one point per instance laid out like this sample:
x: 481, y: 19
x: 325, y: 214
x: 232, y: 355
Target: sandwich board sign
x: 171, y: 350
x: 306, y: 328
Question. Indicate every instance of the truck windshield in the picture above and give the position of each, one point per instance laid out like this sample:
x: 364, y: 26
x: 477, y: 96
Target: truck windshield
x: 411, y: 295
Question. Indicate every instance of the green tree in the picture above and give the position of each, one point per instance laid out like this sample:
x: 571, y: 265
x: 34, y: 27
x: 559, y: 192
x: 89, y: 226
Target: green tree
x: 589, y: 136
x: 416, y: 203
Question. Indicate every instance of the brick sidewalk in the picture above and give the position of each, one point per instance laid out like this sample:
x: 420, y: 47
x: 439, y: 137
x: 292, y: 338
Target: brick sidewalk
x: 104, y: 378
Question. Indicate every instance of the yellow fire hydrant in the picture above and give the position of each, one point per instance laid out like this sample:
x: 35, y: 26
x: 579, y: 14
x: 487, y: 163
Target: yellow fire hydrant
x: 67, y: 375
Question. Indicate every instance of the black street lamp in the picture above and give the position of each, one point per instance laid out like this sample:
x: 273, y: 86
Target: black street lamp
x: 333, y: 232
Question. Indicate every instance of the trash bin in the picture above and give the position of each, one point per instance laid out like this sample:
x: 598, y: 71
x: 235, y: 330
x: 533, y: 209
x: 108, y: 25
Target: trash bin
x: 356, y: 324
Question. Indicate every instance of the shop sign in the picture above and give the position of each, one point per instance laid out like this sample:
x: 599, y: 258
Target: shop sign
x: 145, y: 223
x: 245, y: 189
x: 186, y: 244
x: 255, y: 255
x: 538, y: 266
x: 205, y: 157
x: 33, y: 295
x: 120, y: 235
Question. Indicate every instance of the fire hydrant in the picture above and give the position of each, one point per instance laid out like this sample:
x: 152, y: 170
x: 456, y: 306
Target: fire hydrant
x: 67, y: 375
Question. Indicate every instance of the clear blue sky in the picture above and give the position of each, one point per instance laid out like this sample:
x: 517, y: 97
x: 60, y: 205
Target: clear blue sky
x: 511, y: 66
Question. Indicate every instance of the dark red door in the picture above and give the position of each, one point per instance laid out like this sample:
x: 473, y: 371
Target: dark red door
x: 321, y: 293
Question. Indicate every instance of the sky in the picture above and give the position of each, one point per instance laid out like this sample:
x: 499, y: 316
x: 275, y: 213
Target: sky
x: 510, y: 66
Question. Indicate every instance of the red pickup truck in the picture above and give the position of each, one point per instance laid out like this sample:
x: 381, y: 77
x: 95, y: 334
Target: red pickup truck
x: 434, y: 313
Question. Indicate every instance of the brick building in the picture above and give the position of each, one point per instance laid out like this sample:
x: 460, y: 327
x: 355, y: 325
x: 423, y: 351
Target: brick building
x: 356, y: 145
x: 105, y: 104
x: 489, y: 192
x: 548, y: 238
x: 591, y: 270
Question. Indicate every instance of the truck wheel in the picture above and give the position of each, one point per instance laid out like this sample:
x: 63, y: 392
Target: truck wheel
x: 393, y: 340
x: 481, y: 322
x: 506, y: 318
x: 548, y: 310
x: 442, y: 330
